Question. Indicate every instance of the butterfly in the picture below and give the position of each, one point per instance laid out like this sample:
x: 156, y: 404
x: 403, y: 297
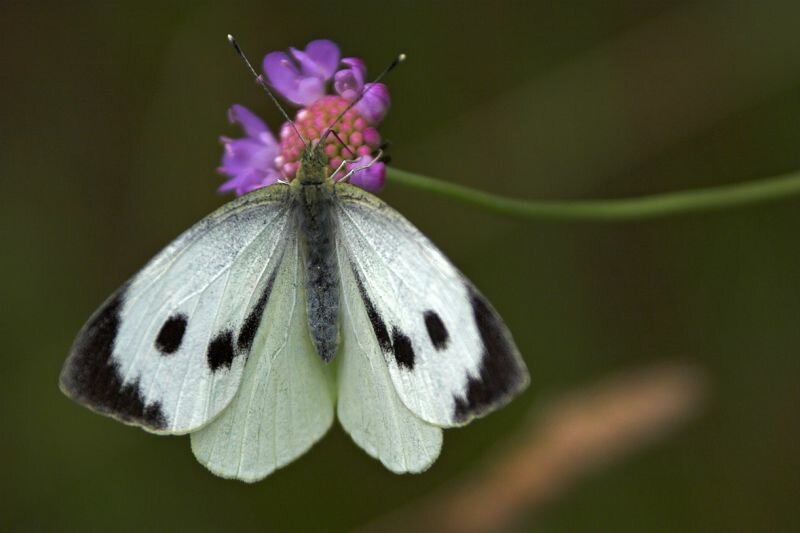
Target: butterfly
x: 289, y: 303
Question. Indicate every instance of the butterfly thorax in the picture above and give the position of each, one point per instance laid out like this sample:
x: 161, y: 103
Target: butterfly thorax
x: 313, y: 201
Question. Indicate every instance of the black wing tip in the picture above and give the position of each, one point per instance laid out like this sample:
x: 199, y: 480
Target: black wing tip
x: 502, y: 372
x: 150, y: 418
x: 468, y: 408
x: 91, y: 377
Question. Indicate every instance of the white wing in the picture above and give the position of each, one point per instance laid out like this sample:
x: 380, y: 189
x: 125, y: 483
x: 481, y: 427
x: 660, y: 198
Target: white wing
x: 285, y: 402
x: 167, y: 350
x: 368, y: 406
x: 449, y: 354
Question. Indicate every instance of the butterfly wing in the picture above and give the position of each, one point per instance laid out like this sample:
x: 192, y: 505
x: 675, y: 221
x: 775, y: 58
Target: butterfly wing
x: 167, y: 350
x: 285, y: 401
x: 449, y: 354
x: 369, y: 408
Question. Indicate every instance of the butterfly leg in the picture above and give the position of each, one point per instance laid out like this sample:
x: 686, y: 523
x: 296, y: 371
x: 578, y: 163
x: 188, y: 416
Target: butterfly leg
x: 374, y: 160
x: 340, y: 167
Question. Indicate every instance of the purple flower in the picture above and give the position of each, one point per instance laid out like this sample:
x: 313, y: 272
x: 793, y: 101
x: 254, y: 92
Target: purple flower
x: 371, y: 178
x: 302, y: 77
x: 303, y: 84
x: 249, y: 161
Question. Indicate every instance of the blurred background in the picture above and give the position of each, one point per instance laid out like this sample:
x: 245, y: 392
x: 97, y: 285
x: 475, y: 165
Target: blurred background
x: 663, y: 354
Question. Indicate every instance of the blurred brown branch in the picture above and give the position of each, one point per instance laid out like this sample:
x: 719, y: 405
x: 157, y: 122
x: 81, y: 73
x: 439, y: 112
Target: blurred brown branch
x: 571, y: 438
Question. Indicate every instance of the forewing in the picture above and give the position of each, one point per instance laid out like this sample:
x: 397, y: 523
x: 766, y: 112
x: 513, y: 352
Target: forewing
x: 368, y: 406
x: 449, y: 354
x: 167, y: 350
x: 285, y: 402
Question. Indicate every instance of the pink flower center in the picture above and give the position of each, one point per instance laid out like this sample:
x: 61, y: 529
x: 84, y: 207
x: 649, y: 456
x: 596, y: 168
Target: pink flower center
x: 359, y: 137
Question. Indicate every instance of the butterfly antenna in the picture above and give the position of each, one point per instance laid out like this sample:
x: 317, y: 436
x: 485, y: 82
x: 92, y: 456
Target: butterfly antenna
x: 399, y: 59
x: 260, y: 80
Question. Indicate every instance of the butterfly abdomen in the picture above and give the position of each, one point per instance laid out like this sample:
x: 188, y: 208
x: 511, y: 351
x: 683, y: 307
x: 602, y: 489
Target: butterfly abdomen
x: 315, y: 219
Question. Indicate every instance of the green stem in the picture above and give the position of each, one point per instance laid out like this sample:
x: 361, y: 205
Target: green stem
x: 637, y: 208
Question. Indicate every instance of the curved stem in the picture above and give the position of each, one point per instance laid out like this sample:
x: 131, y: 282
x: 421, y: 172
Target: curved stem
x: 637, y: 208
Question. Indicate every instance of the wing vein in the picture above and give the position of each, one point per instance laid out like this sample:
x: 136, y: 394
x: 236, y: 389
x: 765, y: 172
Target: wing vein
x: 156, y: 313
x: 265, y: 379
x: 388, y: 265
x: 388, y: 392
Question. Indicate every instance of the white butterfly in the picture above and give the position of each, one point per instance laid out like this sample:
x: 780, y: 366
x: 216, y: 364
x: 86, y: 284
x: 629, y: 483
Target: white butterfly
x: 251, y: 327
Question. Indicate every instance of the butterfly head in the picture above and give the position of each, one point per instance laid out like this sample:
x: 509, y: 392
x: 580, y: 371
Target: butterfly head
x: 313, y: 167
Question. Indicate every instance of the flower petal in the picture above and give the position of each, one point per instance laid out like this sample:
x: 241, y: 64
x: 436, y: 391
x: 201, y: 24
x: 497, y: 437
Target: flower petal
x: 249, y: 181
x: 308, y: 91
x: 253, y: 126
x: 350, y: 81
x: 282, y: 73
x: 375, y: 102
x: 320, y: 58
x: 257, y: 180
x: 247, y: 153
x: 371, y: 178
x: 299, y: 89
x: 356, y: 63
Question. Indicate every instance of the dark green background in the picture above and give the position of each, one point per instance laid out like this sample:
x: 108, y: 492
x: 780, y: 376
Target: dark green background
x: 109, y: 126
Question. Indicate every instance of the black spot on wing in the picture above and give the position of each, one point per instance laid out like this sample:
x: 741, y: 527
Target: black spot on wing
x: 501, y: 373
x: 378, y: 325
x: 220, y: 351
x: 170, y: 336
x: 402, y: 349
x: 247, y: 333
x: 91, y: 376
x: 436, y: 330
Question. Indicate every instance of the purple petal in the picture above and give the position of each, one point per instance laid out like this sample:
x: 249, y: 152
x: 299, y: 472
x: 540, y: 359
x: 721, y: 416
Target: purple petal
x: 375, y: 102
x: 236, y: 183
x: 252, y: 125
x: 229, y: 185
x: 308, y: 91
x: 300, y: 89
x: 237, y: 155
x: 348, y: 83
x: 249, y: 181
x: 244, y: 154
x: 259, y: 180
x: 320, y: 58
x: 281, y: 72
x: 356, y: 63
x: 371, y: 178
